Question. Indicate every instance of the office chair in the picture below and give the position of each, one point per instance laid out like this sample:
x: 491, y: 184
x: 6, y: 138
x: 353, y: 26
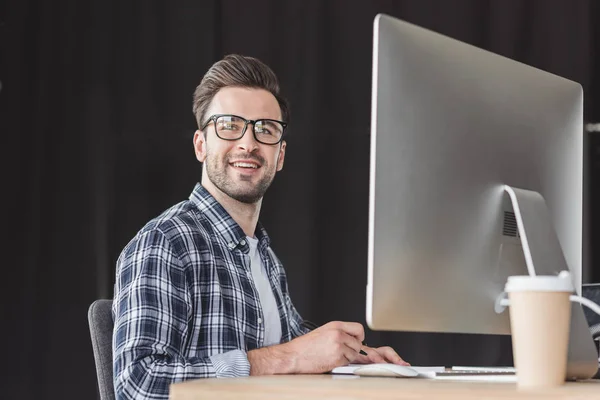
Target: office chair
x: 101, y: 329
x: 591, y: 291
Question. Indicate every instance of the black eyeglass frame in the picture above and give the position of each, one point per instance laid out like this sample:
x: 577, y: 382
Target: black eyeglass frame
x: 213, y: 118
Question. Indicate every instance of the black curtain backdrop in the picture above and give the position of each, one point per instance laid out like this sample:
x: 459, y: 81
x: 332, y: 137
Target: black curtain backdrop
x: 95, y: 105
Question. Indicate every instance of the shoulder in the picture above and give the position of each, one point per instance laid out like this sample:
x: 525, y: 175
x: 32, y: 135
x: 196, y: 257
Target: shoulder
x: 179, y: 230
x: 179, y: 220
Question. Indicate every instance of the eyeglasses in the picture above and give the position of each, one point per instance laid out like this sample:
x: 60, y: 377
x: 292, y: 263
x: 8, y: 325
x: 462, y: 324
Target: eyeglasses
x: 233, y: 127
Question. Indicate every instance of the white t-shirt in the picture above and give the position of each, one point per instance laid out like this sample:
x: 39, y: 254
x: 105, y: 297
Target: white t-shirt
x: 265, y: 293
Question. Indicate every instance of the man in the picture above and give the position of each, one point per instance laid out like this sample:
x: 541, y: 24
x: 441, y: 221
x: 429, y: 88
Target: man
x: 199, y: 292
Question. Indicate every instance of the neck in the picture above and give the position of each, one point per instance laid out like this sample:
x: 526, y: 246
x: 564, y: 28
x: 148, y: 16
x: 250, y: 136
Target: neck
x: 246, y: 215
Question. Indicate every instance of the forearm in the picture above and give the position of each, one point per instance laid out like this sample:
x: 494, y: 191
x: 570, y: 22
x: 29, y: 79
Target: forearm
x: 272, y: 360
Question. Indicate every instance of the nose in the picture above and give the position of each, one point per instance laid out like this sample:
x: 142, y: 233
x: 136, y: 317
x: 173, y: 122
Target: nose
x: 247, y: 142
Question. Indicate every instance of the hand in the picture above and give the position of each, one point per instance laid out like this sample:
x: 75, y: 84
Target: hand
x: 380, y: 355
x: 331, y: 345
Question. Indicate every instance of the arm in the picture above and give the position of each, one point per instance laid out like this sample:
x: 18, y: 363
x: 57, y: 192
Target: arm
x: 329, y: 346
x: 152, y: 314
x: 278, y: 359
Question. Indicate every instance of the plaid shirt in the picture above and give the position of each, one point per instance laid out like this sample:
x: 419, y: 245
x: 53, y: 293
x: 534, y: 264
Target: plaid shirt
x: 185, y: 303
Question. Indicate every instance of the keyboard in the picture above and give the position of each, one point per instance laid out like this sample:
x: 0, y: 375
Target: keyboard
x: 482, y: 370
x: 468, y: 371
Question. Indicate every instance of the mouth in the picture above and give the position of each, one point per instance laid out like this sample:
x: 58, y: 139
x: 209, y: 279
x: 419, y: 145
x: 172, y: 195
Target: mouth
x: 246, y: 166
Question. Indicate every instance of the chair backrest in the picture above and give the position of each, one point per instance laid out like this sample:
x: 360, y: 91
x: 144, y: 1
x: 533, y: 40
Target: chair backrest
x: 591, y: 291
x: 101, y: 330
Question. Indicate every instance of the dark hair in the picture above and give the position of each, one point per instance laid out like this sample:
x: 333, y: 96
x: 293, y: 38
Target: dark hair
x: 236, y: 70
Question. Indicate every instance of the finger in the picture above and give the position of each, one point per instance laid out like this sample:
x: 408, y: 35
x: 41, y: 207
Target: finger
x: 374, y: 355
x: 351, y: 355
x: 351, y: 349
x: 351, y: 342
x: 391, y: 356
x: 351, y: 328
x: 360, y: 359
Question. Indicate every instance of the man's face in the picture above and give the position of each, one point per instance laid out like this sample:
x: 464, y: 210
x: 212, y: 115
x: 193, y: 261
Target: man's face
x: 242, y: 169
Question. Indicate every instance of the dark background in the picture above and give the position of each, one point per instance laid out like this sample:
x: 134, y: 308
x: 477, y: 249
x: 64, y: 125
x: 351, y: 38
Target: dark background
x: 96, y: 126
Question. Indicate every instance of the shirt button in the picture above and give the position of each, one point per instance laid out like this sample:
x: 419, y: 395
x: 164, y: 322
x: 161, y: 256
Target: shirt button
x: 243, y: 242
x: 259, y: 320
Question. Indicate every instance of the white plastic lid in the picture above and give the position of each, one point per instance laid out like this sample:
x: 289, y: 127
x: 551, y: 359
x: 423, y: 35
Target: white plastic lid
x: 540, y: 283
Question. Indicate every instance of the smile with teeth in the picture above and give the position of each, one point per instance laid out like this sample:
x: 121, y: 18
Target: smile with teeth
x: 244, y: 165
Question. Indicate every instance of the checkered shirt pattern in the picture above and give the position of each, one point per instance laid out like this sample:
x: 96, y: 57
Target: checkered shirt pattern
x: 185, y: 305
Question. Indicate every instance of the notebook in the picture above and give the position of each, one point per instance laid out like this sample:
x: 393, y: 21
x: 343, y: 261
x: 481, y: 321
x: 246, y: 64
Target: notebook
x: 500, y: 374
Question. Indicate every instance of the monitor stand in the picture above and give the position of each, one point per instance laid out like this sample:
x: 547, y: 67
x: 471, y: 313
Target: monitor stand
x: 544, y: 256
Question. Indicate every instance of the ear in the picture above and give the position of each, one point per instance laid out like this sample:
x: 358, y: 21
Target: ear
x: 200, y: 145
x: 281, y: 156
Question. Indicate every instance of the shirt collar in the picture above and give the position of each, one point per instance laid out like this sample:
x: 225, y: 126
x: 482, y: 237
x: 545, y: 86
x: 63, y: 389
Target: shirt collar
x: 223, y: 223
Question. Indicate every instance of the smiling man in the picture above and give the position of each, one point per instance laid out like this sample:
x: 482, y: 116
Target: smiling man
x: 199, y: 292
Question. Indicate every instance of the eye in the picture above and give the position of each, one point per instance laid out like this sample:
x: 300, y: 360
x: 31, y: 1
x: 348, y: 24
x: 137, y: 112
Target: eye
x: 269, y: 128
x: 227, y: 123
x: 262, y: 130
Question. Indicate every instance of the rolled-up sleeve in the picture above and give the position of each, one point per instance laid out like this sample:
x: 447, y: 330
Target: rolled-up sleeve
x: 152, y: 313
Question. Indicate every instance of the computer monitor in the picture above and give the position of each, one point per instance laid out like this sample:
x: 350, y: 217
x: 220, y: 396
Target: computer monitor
x: 453, y: 127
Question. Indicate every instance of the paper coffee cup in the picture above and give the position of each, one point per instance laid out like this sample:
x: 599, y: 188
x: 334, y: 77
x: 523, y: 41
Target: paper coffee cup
x: 540, y: 313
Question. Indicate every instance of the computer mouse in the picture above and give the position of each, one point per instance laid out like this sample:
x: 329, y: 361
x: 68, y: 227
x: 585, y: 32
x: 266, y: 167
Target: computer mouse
x: 391, y: 370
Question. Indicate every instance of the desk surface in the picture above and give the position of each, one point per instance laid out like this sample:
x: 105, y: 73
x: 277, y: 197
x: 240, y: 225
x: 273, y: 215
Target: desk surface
x: 290, y: 387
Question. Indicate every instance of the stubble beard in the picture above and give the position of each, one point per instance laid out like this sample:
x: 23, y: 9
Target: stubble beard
x: 216, y: 170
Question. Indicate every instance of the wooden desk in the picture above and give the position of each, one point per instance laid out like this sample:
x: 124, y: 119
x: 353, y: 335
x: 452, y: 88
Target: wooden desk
x: 289, y: 387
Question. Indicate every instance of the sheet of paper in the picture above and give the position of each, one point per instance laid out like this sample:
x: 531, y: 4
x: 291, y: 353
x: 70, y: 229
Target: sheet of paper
x: 349, y: 369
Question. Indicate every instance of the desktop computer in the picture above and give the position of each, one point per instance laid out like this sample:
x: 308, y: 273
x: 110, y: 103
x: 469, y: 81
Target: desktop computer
x: 454, y: 129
